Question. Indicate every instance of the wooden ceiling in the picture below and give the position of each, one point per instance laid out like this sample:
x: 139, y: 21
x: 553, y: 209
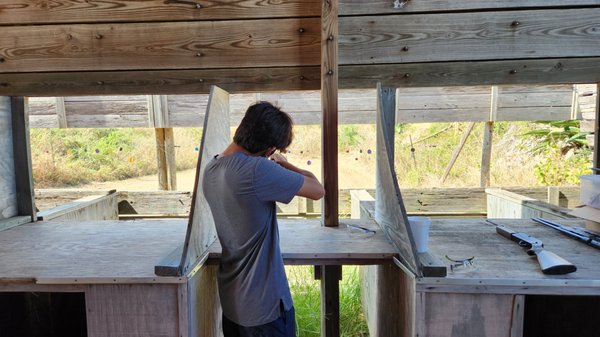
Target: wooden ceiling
x: 69, y: 47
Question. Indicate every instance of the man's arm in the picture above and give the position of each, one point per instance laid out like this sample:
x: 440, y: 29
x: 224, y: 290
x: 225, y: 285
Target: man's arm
x: 311, y: 188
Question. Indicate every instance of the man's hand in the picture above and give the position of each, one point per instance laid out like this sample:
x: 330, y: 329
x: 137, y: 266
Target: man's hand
x: 278, y: 158
x: 311, y: 188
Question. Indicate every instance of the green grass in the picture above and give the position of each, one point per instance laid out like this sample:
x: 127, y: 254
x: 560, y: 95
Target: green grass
x: 306, y: 295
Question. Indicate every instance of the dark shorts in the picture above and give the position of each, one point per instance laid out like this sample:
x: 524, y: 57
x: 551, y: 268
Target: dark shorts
x: 284, y: 326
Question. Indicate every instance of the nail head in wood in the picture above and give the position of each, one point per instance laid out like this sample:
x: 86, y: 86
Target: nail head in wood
x: 330, y: 72
x: 99, y: 36
x: 301, y: 77
x: 199, y: 54
x: 407, y: 75
x: 405, y: 48
x: 330, y: 38
x: 513, y: 71
x: 198, y: 6
x: 515, y: 23
x: 301, y: 30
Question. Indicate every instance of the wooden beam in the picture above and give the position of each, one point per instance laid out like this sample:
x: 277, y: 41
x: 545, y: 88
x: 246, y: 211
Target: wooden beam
x: 358, y: 7
x: 194, y: 81
x: 66, y: 11
x: 329, y: 101
x: 172, y: 45
x: 442, y: 74
x: 469, y: 36
x: 22, y: 154
x: 330, y: 275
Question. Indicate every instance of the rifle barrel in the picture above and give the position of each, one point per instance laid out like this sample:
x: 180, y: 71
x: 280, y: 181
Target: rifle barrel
x: 567, y: 231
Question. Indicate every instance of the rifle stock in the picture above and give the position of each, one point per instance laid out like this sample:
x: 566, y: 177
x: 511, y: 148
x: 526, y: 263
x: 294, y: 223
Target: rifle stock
x: 553, y: 264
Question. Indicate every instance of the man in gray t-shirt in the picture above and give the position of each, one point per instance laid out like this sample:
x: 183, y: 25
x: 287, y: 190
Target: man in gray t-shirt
x: 241, y: 186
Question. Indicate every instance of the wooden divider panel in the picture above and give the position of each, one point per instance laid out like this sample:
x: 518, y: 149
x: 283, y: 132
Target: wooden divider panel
x: 201, y: 232
x: 8, y: 198
x: 390, y: 212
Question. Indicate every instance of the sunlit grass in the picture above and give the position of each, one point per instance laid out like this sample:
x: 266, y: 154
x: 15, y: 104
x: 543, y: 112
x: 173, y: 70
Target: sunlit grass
x: 307, y: 302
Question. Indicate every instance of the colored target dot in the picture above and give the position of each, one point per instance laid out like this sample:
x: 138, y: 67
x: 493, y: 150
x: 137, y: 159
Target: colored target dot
x: 308, y: 162
x: 369, y: 151
x: 97, y: 150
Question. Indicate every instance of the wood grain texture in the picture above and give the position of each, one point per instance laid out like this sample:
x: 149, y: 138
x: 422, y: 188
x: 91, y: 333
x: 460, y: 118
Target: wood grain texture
x: 329, y: 125
x: 71, y: 11
x: 8, y: 196
x: 465, y: 315
x: 88, y: 251
x: 132, y: 310
x: 201, y: 232
x: 204, y: 305
x: 355, y: 106
x: 502, y: 266
x: 527, y: 71
x: 192, y: 81
x: 359, y: 7
x: 22, y: 157
x: 97, y: 207
x: 469, y: 36
x: 390, y: 212
x: 305, y: 241
x: 173, y: 45
x: 505, y: 204
x: 382, y: 300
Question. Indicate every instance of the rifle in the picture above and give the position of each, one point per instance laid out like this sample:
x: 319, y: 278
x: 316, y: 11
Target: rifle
x: 577, y: 233
x: 550, y: 263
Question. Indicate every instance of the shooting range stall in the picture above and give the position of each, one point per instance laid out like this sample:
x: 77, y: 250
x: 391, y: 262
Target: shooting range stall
x: 152, y: 278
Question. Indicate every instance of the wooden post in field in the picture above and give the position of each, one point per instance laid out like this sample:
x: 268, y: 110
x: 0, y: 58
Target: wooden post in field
x: 597, y: 132
x: 158, y: 116
x: 330, y: 275
x: 488, y: 132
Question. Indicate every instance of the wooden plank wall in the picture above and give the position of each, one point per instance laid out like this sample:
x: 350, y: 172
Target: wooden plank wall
x: 94, y: 207
x: 69, y: 48
x: 8, y: 198
x: 415, y: 105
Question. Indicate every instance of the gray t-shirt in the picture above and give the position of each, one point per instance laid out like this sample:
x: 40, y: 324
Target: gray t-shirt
x: 241, y: 191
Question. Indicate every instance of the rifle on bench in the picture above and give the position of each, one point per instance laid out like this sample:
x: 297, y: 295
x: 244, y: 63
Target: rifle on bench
x: 550, y: 263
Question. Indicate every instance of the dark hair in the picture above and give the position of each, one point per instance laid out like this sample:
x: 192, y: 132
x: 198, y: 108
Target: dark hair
x: 262, y: 127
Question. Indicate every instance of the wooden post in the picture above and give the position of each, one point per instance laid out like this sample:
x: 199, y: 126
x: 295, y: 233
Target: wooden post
x: 61, y: 113
x: 170, y: 158
x: 456, y: 152
x: 330, y: 304
x: 597, y: 132
x: 329, y: 105
x: 161, y: 158
x: 22, y: 154
x: 158, y: 118
x: 486, y: 153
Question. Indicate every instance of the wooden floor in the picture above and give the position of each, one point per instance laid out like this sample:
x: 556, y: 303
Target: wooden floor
x: 127, y: 251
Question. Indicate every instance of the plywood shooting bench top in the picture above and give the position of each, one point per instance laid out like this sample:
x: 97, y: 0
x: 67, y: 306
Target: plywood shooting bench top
x: 80, y: 252
x: 56, y: 252
x: 502, y: 266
